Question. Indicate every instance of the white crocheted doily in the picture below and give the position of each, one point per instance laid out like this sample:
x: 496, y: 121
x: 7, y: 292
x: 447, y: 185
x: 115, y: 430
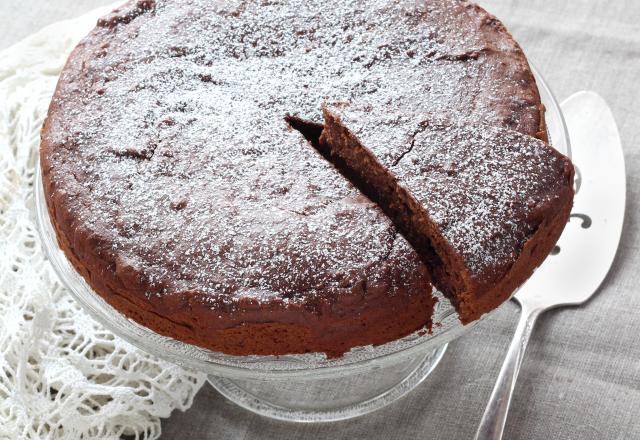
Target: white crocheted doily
x: 62, y: 375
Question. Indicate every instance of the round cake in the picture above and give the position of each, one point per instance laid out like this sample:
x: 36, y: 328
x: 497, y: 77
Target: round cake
x: 181, y: 187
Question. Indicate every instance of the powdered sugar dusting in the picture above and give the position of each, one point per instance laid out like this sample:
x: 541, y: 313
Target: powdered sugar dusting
x: 486, y: 187
x: 174, y: 109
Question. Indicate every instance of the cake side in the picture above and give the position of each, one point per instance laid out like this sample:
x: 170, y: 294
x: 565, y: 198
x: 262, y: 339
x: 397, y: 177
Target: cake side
x: 363, y: 315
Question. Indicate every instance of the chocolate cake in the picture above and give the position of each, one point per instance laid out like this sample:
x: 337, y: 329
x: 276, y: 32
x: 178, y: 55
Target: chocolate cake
x: 182, y: 185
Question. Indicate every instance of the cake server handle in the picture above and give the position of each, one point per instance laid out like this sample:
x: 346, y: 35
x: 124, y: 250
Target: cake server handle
x: 495, y: 415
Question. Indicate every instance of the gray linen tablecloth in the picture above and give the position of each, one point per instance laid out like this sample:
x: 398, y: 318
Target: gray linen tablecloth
x: 581, y: 375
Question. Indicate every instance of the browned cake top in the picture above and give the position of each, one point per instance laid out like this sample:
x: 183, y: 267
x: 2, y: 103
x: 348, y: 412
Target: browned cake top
x: 166, y: 140
x: 487, y: 188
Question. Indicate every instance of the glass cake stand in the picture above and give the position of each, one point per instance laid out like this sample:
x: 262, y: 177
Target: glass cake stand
x: 301, y: 388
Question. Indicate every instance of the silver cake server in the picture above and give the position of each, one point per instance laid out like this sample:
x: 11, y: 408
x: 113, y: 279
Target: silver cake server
x: 586, y: 249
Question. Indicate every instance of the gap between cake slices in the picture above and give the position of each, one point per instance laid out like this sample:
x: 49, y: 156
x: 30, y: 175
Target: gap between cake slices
x: 483, y: 206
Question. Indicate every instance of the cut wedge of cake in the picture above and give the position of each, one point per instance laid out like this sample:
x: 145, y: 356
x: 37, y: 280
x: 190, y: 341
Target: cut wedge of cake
x: 482, y: 205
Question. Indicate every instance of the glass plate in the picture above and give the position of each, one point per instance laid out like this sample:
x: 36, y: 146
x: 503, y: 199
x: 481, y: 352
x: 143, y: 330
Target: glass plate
x: 364, y: 379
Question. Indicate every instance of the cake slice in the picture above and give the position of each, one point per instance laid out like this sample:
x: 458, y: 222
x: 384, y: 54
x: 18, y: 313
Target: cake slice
x: 482, y: 205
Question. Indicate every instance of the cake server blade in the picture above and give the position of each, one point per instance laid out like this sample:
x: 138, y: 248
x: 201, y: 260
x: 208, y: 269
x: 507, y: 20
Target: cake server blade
x: 586, y: 249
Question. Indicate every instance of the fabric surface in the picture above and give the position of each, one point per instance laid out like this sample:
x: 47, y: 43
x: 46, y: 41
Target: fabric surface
x: 63, y: 376
x: 581, y: 374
